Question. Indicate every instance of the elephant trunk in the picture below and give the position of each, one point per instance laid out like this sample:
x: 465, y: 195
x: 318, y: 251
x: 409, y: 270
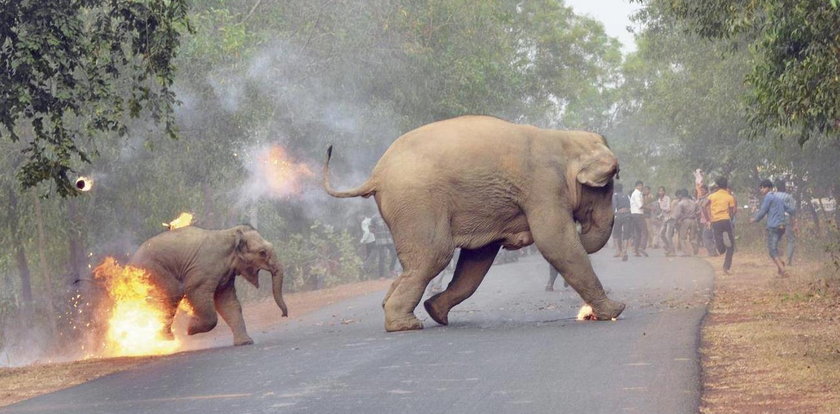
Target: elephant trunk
x: 597, y: 236
x: 596, y: 217
x: 277, y: 290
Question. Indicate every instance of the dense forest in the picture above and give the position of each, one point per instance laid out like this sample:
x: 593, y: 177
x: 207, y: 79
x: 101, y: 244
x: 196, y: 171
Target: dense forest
x: 173, y: 106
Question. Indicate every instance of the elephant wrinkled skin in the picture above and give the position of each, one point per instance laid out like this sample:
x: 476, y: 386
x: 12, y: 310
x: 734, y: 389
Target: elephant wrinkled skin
x: 480, y: 183
x: 200, y: 266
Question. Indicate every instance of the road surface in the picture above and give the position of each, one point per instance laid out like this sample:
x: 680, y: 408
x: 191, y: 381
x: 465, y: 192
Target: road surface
x: 511, y: 348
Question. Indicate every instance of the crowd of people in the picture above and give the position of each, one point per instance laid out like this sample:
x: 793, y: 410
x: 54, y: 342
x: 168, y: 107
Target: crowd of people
x: 703, y: 220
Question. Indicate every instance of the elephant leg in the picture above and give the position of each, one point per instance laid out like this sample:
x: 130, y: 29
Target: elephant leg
x: 204, y: 313
x: 227, y: 304
x: 473, y: 265
x: 423, y: 258
x: 167, y: 296
x: 556, y: 238
x: 170, y: 307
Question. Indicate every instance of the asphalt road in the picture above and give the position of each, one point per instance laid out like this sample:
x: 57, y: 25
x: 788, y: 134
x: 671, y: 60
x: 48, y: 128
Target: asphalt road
x: 511, y: 348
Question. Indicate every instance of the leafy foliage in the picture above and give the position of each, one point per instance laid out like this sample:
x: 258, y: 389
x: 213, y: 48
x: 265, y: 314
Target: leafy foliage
x: 795, y: 47
x: 75, y: 70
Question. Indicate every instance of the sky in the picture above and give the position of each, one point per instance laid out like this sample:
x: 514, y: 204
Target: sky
x: 614, y: 14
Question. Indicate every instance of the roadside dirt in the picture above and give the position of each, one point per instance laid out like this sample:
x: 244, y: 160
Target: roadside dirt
x: 18, y: 384
x: 771, y: 344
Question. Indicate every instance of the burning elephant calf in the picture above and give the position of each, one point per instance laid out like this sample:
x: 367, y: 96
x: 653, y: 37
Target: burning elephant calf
x: 200, y: 266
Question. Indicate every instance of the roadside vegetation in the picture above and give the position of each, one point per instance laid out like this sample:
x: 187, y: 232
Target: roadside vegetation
x: 745, y: 90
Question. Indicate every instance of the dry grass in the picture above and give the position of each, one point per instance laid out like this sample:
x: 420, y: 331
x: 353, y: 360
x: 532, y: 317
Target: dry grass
x: 18, y: 384
x: 771, y: 344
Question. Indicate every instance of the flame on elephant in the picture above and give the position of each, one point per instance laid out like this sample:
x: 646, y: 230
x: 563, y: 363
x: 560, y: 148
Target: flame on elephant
x: 134, y: 321
x: 183, y: 220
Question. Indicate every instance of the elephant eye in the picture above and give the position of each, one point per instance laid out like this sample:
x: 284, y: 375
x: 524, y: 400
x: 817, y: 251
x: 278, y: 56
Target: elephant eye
x: 262, y: 253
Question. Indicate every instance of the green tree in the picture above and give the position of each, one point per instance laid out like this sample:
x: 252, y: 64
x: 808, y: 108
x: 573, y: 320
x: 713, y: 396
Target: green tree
x: 73, y: 71
x: 795, y: 49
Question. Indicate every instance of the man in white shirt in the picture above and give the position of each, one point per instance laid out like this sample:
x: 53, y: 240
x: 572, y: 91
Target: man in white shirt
x: 637, y: 201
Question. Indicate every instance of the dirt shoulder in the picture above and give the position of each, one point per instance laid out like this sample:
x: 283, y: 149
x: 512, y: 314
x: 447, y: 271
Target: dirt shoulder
x: 18, y: 384
x: 771, y: 344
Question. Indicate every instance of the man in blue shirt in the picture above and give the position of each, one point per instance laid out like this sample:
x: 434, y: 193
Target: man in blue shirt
x: 774, y: 207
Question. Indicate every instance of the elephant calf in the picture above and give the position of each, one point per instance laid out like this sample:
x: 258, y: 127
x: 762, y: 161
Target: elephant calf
x: 201, y: 265
x: 479, y: 183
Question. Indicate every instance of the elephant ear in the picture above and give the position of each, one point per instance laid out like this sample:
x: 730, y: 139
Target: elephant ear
x: 240, y: 248
x: 594, y: 168
x: 597, y: 168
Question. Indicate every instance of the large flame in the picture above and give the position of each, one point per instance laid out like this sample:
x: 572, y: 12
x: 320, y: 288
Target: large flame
x: 134, y: 321
x: 282, y: 175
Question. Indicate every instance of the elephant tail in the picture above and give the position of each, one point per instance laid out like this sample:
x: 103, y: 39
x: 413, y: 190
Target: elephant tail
x: 365, y: 190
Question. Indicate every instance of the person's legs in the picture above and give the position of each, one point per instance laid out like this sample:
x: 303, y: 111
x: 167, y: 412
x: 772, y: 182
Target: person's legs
x: 724, y: 241
x: 618, y: 236
x: 669, y: 237
x: 709, y: 241
x: 774, y: 235
x: 624, y: 236
x: 643, y: 238
x: 683, y: 236
x: 729, y: 242
x: 638, y: 223
x: 552, y: 277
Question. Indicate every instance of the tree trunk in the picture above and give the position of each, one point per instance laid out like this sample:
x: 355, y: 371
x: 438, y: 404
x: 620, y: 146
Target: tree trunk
x: 44, y: 269
x: 77, y: 268
x: 13, y: 224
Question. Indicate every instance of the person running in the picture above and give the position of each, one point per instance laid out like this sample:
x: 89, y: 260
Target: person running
x: 637, y: 216
x: 774, y: 207
x: 722, y: 209
x: 686, y: 222
x: 790, y: 221
x: 622, y: 226
x: 664, y: 214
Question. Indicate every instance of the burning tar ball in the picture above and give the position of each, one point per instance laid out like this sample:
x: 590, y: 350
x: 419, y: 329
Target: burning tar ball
x: 84, y: 183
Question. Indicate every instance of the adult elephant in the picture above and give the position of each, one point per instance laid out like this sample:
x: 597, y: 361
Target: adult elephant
x: 200, y: 266
x: 480, y: 183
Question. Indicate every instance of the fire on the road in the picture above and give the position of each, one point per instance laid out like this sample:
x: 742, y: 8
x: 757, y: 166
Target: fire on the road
x: 134, y: 322
x: 585, y: 313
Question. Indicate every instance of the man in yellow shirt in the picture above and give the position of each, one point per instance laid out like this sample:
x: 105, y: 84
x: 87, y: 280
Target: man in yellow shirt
x: 721, y: 205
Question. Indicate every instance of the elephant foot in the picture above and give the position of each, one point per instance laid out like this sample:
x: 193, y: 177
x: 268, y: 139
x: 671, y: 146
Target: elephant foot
x: 408, y: 323
x: 439, y: 315
x: 198, y: 326
x: 246, y: 340
x: 607, y: 309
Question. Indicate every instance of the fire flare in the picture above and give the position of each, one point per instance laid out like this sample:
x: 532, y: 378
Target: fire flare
x: 585, y: 313
x: 84, y: 183
x: 134, y: 322
x: 282, y: 175
x: 183, y: 220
